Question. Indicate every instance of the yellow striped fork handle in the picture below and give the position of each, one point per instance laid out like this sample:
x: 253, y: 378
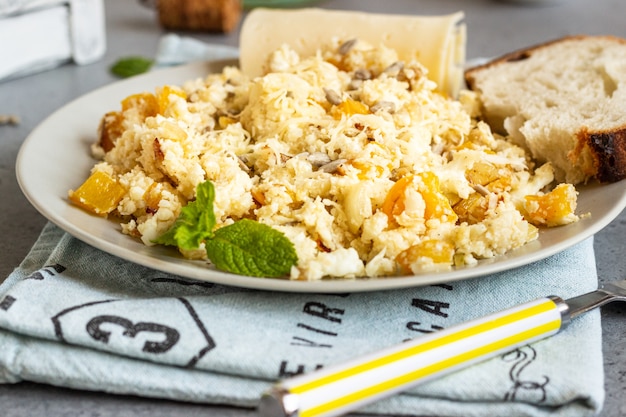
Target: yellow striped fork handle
x: 340, y: 389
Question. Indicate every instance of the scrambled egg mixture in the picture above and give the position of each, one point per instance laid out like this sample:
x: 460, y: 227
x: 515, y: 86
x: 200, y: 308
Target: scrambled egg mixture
x: 354, y: 155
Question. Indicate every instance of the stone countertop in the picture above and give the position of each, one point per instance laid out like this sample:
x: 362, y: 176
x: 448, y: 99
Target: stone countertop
x: 493, y: 28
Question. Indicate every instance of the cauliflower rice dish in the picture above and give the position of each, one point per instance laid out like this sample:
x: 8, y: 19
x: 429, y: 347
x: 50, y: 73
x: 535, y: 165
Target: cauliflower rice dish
x: 354, y: 156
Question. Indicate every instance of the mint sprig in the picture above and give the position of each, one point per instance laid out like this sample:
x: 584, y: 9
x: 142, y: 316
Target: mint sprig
x: 251, y: 248
x: 245, y: 247
x: 195, y: 223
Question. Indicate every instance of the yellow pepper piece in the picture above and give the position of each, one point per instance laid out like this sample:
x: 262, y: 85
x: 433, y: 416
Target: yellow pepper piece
x: 418, y: 255
x: 99, y: 194
x: 163, y: 96
x: 225, y: 121
x: 500, y: 185
x: 482, y: 173
x: 394, y: 200
x: 145, y: 103
x: 349, y: 107
x: 472, y: 209
x: 368, y: 170
x: 437, y: 204
x: 552, y: 209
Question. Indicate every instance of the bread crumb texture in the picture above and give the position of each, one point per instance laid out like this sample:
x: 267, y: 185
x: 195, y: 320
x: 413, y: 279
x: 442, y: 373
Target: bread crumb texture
x: 354, y: 155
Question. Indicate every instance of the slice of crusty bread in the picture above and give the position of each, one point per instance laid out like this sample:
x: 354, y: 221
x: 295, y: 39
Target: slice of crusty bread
x: 565, y: 101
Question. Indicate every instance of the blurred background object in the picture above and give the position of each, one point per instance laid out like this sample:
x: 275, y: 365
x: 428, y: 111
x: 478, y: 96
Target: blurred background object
x: 533, y: 2
x: 249, y: 4
x: 211, y: 15
x: 36, y: 35
x: 199, y: 15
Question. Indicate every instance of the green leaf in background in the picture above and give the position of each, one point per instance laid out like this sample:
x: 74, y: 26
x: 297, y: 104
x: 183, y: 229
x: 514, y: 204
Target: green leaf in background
x: 132, y: 65
x: 251, y: 248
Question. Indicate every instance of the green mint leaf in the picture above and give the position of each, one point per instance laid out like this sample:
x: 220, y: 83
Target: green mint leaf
x: 251, y: 248
x: 129, y: 66
x: 195, y: 223
x: 245, y: 247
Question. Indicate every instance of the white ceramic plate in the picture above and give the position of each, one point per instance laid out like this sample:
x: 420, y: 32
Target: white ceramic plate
x: 56, y: 158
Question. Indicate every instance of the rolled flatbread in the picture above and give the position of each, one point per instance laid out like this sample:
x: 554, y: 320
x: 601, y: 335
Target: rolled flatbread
x: 437, y: 42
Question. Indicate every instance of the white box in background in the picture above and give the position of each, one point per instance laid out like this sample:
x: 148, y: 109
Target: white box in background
x: 37, y: 35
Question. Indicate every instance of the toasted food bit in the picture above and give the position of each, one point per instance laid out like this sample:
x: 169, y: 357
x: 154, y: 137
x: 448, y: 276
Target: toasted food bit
x: 9, y: 119
x: 362, y: 74
x: 347, y: 46
x: 332, y: 96
x: 394, y: 69
x: 318, y: 159
x: 110, y: 129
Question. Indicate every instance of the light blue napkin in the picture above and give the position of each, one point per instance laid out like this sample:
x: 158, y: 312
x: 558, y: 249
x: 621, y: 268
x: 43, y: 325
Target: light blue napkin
x: 74, y: 316
x: 176, y: 50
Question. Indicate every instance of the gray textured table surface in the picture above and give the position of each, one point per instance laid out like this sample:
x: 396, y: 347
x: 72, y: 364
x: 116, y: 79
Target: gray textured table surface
x: 493, y: 28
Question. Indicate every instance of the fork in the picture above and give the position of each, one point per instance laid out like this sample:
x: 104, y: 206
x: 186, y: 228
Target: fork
x: 343, y: 388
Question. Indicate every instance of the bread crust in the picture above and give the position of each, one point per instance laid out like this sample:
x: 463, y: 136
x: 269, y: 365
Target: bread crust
x: 606, y: 148
x: 525, y: 53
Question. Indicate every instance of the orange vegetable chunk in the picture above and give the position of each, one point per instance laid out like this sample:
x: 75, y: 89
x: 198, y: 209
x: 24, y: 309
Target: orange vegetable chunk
x: 394, y: 201
x: 437, y: 204
x: 350, y: 107
x: 99, y: 194
x: 482, y: 173
x: 552, y: 209
x: 418, y: 255
x: 368, y: 170
x: 145, y: 104
x: 163, y: 97
x: 472, y: 209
